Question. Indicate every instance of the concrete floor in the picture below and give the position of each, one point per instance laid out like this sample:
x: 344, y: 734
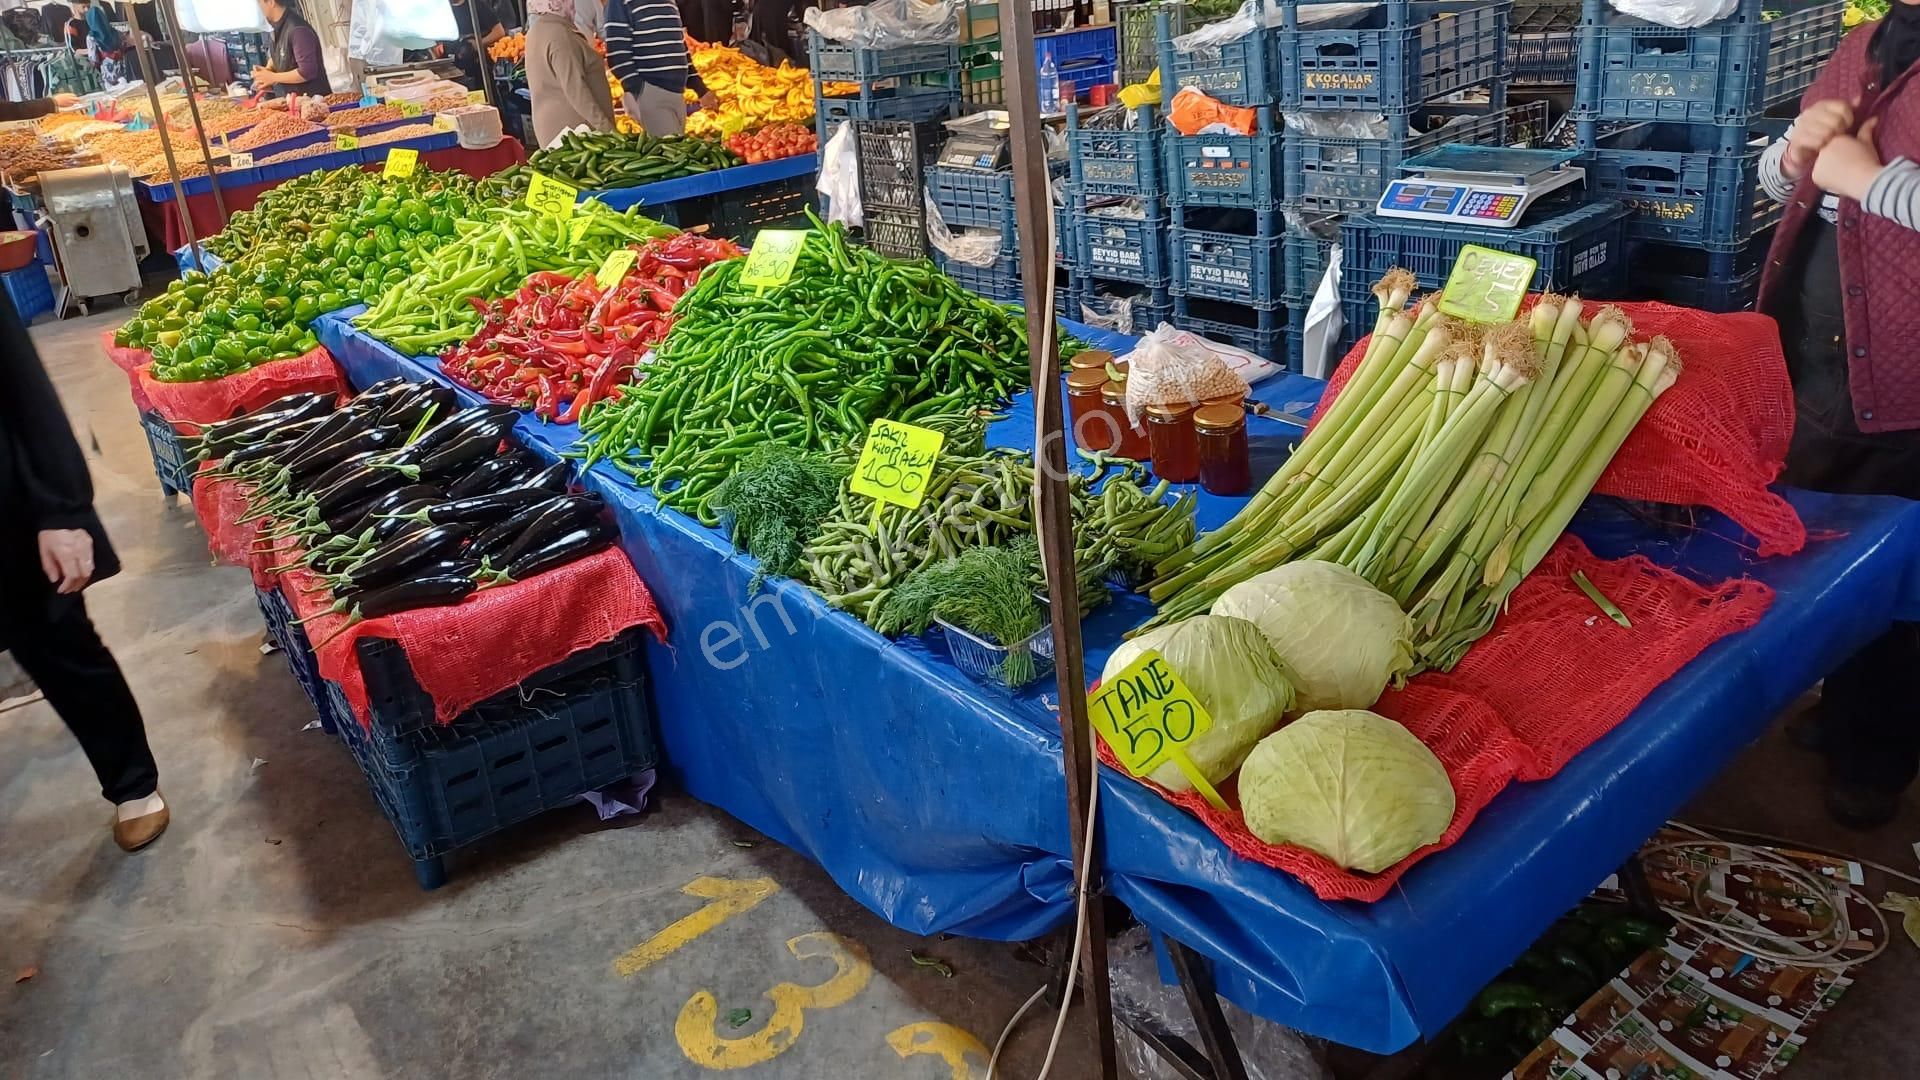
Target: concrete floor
x: 276, y: 930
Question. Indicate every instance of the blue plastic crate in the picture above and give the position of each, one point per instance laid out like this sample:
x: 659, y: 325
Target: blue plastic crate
x: 844, y: 62
x: 1124, y: 248
x: 1543, y: 47
x: 1304, y: 256
x: 1679, y: 188
x: 171, y: 463
x: 208, y: 263
x: 999, y: 282
x: 1728, y: 72
x: 1146, y: 307
x: 1690, y: 277
x: 1239, y: 72
x: 971, y: 199
x: 1261, y: 331
x: 510, y: 757
x: 1066, y: 230
x: 899, y: 103
x: 1116, y: 161
x: 298, y: 651
x: 1237, y: 267
x: 1579, y: 249
x: 30, y: 290
x: 1241, y: 171
x: 1076, y: 48
x: 1393, y: 57
x: 1346, y: 176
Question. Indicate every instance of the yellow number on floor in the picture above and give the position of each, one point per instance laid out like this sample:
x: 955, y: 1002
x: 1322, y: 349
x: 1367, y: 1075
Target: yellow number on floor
x: 944, y: 1041
x: 706, y: 1047
x: 729, y: 898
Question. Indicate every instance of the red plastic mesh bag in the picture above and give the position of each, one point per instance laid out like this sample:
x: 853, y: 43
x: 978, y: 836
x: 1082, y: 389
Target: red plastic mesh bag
x: 220, y: 504
x: 129, y: 361
x: 465, y: 654
x: 224, y: 398
x: 1719, y: 437
x: 1551, y: 678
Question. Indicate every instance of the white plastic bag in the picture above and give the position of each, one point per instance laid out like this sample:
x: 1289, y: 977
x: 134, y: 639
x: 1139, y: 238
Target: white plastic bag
x: 1325, y: 319
x: 839, y: 177
x: 366, y: 39
x: 407, y: 21
x: 977, y: 247
x: 1170, y: 365
x: 221, y: 16
x: 1680, y: 14
x: 890, y: 24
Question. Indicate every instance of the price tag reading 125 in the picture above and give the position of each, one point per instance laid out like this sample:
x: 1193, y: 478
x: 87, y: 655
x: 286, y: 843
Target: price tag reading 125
x: 546, y: 194
x: 895, y: 463
x: 400, y: 162
x: 1486, y: 285
x: 1148, y: 716
x: 774, y: 254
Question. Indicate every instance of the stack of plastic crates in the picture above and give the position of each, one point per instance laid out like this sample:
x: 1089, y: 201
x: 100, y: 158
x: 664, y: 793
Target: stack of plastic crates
x: 1085, y: 57
x: 894, y: 155
x: 982, y: 84
x: 1137, y: 46
x: 915, y: 82
x: 171, y: 462
x: 975, y: 202
x: 1543, y: 46
x: 1687, y: 165
x: 1116, y: 199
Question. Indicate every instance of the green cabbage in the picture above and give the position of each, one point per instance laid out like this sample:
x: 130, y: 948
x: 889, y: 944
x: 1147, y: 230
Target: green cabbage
x: 1349, y: 784
x: 1229, y: 666
x: 1344, y: 638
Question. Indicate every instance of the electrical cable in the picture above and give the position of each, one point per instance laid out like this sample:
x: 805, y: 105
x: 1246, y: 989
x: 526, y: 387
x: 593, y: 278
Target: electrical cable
x: 1749, y: 834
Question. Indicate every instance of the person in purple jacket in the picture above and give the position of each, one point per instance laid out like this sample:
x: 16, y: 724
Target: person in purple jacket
x: 294, y: 64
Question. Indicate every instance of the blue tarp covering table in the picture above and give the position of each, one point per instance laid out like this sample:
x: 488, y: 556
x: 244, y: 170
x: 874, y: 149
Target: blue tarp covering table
x: 715, y: 182
x: 939, y: 803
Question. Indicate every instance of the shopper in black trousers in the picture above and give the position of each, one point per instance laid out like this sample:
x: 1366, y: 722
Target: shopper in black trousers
x: 52, y: 547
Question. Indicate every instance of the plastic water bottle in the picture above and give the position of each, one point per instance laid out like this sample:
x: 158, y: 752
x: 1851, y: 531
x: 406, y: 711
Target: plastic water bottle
x: 1049, y: 87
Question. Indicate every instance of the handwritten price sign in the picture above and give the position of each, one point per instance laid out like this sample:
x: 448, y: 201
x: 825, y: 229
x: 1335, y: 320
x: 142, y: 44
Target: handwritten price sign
x: 1148, y: 716
x: 401, y: 162
x: 618, y: 262
x: 346, y: 141
x: 548, y: 195
x: 443, y: 122
x: 896, y: 462
x: 410, y: 108
x: 1487, y: 285
x: 774, y: 254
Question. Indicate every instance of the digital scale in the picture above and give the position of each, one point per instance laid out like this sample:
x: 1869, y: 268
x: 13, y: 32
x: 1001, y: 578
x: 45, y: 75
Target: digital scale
x: 977, y: 142
x: 1490, y: 186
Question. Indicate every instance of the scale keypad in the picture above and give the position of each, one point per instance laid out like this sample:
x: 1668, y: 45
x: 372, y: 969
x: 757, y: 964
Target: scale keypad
x: 1493, y: 206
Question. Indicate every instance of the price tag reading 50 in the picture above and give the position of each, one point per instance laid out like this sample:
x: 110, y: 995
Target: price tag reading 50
x: 774, y: 254
x: 1148, y: 716
x: 896, y: 462
x: 546, y: 194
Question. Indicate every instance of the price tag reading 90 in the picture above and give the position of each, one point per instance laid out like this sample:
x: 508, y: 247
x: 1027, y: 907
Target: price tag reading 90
x: 895, y: 463
x: 1148, y: 716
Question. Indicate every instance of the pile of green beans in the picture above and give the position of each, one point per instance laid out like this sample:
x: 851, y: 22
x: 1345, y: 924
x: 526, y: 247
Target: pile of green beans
x: 986, y: 499
x: 850, y: 338
x: 432, y: 308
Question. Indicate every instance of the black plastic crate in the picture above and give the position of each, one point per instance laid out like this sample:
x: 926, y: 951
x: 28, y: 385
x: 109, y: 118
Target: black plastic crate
x: 1147, y: 307
x: 1261, y: 331
x: 171, y: 462
x: 1123, y: 248
x: 844, y: 62
x: 1683, y: 186
x: 1116, y: 160
x: 1138, y: 45
x: 1727, y: 72
x: 897, y: 234
x: 1543, y: 47
x: 1305, y: 252
x: 972, y: 199
x: 743, y: 212
x: 1240, y: 171
x: 894, y: 156
x: 292, y: 642
x: 1690, y: 277
x: 1331, y: 174
x: 1580, y: 247
x: 1239, y: 72
x: 1230, y: 255
x: 1393, y: 57
x: 510, y: 757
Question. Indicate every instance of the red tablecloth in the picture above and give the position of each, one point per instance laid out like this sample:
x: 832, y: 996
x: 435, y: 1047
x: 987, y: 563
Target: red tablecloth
x: 162, y: 220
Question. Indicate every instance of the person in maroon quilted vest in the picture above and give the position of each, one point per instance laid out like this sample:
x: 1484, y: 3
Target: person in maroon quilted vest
x: 1841, y: 280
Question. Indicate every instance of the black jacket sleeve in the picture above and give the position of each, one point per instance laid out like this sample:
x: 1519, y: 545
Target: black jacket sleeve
x: 50, y: 471
x: 25, y: 110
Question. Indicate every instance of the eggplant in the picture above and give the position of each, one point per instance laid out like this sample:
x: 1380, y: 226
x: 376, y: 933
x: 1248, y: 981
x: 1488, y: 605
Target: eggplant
x: 252, y: 427
x: 552, y: 479
x: 479, y: 509
x: 431, y: 399
x: 398, y: 497
x: 391, y: 561
x: 375, y: 398
x: 392, y: 527
x: 374, y: 477
x: 479, y: 441
x: 452, y: 428
x: 430, y: 590
x: 495, y: 538
x: 315, y: 463
x: 493, y: 474
x: 578, y: 543
x: 342, y: 521
x: 329, y: 429
x: 561, y: 516
x: 342, y: 469
x: 268, y: 451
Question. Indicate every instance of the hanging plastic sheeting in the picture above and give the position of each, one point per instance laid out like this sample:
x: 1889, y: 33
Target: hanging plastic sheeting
x: 890, y: 24
x: 381, y: 29
x: 1680, y: 14
x: 221, y: 16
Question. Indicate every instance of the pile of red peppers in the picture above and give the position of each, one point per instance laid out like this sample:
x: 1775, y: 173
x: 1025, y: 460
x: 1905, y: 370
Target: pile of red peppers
x: 561, y: 343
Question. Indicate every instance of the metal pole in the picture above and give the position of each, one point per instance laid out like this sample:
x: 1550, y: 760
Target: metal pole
x: 148, y: 75
x: 1033, y: 218
x: 480, y: 57
x: 170, y: 26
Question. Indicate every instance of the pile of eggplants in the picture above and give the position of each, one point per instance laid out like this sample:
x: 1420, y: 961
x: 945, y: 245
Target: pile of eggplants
x: 400, y: 498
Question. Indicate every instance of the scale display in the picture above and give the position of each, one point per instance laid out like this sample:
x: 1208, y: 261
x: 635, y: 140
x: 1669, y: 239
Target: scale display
x: 1477, y: 185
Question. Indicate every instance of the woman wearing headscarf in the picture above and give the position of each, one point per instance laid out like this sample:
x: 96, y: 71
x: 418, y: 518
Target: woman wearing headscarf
x: 565, y: 76
x: 1840, y: 280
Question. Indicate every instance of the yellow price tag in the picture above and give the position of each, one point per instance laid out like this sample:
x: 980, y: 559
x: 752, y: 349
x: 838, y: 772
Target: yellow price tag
x: 550, y: 195
x: 400, y: 162
x: 771, y: 262
x: 239, y: 159
x: 476, y: 97
x: 1148, y: 716
x: 443, y: 122
x: 619, y: 261
x: 1487, y: 285
x: 410, y: 108
x: 896, y: 462
x: 346, y: 141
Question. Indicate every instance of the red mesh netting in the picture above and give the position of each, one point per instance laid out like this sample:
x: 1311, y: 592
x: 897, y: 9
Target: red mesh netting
x: 1552, y: 677
x: 129, y: 361
x: 465, y: 654
x: 220, y: 504
x: 224, y: 398
x: 1719, y: 437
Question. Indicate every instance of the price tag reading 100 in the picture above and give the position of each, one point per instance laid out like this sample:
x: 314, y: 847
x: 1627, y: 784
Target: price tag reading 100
x: 895, y: 463
x: 546, y: 194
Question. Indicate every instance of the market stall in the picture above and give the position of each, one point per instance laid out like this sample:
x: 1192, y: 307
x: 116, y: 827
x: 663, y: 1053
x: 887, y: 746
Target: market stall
x: 785, y: 691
